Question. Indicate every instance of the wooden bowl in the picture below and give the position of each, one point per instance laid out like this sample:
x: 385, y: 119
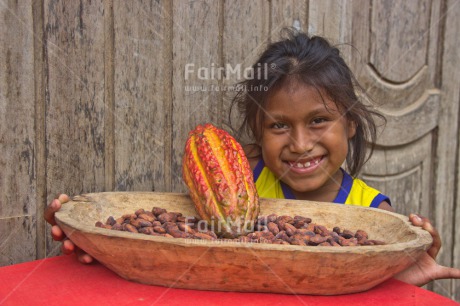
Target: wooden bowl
x: 235, y: 266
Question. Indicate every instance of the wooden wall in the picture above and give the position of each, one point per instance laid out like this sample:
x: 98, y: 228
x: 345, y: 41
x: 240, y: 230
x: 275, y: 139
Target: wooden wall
x: 93, y: 97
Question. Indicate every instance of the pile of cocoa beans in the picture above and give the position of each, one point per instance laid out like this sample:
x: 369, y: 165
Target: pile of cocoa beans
x: 272, y: 229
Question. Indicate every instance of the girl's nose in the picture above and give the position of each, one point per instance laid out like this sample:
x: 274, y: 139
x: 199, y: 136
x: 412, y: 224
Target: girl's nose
x: 301, y: 141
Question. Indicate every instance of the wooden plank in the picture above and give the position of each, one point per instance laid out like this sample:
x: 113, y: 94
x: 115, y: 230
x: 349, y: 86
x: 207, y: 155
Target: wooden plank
x: 40, y: 137
x: 109, y: 95
x: 195, y: 42
x: 404, y: 175
x: 288, y: 13
x: 447, y: 152
x: 331, y: 19
x: 141, y: 76
x: 242, y: 47
x: 75, y: 98
x: 17, y: 137
x: 17, y: 239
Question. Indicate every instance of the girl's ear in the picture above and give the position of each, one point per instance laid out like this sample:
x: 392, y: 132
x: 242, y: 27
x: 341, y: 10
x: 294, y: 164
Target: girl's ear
x: 351, y: 129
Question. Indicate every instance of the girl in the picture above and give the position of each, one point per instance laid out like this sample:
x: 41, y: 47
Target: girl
x: 306, y: 125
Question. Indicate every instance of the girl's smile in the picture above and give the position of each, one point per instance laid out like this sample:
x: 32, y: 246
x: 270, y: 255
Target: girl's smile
x: 305, y: 140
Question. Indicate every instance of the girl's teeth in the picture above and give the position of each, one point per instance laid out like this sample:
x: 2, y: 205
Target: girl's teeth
x: 306, y: 164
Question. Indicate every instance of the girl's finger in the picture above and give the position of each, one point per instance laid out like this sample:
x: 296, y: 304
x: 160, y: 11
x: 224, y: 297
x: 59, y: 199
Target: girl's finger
x: 53, y: 207
x: 83, y: 257
x: 67, y: 247
x: 425, y: 223
x: 436, y: 246
x: 57, y: 233
x: 63, y: 198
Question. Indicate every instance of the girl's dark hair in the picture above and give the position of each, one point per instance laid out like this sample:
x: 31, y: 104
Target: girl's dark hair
x: 315, y: 62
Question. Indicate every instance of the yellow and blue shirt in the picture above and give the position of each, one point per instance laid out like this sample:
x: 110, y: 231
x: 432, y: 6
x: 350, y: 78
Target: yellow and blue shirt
x: 352, y: 192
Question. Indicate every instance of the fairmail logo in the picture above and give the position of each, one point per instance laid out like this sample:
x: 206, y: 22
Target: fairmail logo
x: 215, y: 72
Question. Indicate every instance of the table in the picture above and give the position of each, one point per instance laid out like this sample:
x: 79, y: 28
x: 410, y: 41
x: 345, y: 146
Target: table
x: 62, y: 280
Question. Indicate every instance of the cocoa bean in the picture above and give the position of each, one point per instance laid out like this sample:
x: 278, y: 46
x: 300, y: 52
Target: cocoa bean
x: 286, y: 219
x: 290, y: 229
x: 144, y: 223
x: 310, y: 227
x: 130, y: 228
x: 347, y: 234
x: 159, y: 229
x: 147, y: 217
x: 280, y: 224
x: 322, y: 230
x: 167, y: 217
x: 349, y: 242
x: 117, y: 227
x: 110, y: 221
x: 272, y: 218
x: 317, y: 239
x: 189, y: 229
x: 146, y: 230
x: 139, y: 211
x: 156, y: 223
x: 129, y: 216
x: 360, y: 234
x: 158, y: 211
x: 135, y: 222
x: 273, y: 227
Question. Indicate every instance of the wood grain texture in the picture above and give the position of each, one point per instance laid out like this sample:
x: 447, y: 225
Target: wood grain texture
x: 17, y: 239
x: 401, y: 73
x: 404, y: 176
x: 18, y: 198
x: 330, y: 19
x: 75, y: 108
x: 40, y: 122
x: 406, y: 66
x: 288, y: 13
x: 241, y: 47
x: 195, y: 42
x: 447, y: 152
x: 140, y: 78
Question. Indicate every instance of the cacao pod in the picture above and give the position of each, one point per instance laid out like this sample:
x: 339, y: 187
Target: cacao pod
x: 220, y: 181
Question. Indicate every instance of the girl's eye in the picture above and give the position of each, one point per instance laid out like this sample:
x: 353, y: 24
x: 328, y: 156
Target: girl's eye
x: 319, y: 120
x: 278, y: 125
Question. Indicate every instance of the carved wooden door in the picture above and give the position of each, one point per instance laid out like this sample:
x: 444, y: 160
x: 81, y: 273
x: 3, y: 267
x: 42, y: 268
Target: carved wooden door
x: 401, y: 63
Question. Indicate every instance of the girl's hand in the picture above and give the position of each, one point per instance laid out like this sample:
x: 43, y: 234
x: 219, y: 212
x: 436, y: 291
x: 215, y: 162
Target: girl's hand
x: 68, y: 247
x: 426, y: 269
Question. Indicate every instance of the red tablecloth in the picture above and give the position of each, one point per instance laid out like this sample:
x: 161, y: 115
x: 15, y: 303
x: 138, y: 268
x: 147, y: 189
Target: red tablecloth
x: 62, y: 280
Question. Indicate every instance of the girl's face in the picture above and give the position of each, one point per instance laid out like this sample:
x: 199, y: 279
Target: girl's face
x: 305, y: 141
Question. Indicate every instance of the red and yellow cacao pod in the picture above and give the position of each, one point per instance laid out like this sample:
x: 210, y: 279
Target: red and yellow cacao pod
x: 220, y: 181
